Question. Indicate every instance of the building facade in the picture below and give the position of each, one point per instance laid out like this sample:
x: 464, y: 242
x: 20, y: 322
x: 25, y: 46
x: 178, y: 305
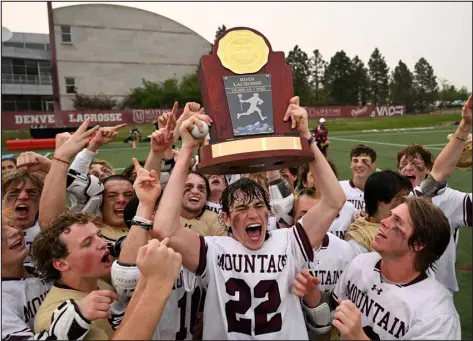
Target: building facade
x: 103, y: 48
x: 26, y: 73
x: 100, y: 48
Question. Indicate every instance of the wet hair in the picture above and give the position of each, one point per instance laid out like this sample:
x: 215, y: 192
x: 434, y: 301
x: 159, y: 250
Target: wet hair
x: 416, y: 150
x: 431, y: 230
x: 128, y: 171
x: 305, y: 192
x: 48, y: 247
x: 383, y: 186
x: 250, y: 189
x: 12, y: 159
x: 362, y: 149
x: 207, y: 184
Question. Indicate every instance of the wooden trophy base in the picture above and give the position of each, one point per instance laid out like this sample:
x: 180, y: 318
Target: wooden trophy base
x: 254, y: 155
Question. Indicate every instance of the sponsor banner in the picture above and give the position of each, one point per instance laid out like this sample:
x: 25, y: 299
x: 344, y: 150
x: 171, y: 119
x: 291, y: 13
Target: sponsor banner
x: 355, y: 111
x: 73, y: 118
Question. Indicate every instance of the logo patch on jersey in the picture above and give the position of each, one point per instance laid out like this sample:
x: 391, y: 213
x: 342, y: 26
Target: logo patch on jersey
x: 377, y: 315
x: 375, y: 288
x: 252, y: 263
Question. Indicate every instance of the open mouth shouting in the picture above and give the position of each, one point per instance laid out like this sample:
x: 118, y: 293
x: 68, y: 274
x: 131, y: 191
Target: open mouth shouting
x: 253, y: 231
x: 194, y: 199
x: 380, y: 234
x: 119, y: 211
x: 106, y: 260
x: 21, y: 211
x: 18, y: 244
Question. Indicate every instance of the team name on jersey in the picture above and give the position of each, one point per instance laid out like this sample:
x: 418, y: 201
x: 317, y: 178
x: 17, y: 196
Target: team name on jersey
x: 327, y: 277
x: 390, y: 323
x: 359, y: 204
x: 339, y: 234
x: 32, y: 306
x: 252, y: 263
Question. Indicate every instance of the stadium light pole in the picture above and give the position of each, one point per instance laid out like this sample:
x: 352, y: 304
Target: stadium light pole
x: 54, y: 72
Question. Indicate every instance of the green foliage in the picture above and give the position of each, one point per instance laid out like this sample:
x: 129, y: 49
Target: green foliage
x: 338, y: 80
x: 378, y: 78
x: 94, y: 102
x: 425, y: 85
x: 301, y: 71
x: 401, y: 87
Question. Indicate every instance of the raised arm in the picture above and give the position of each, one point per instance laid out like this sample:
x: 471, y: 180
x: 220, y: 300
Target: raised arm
x: 53, y: 196
x: 162, y: 141
x: 167, y: 220
x: 85, y: 157
x: 159, y: 266
x: 447, y: 160
x: 317, y: 221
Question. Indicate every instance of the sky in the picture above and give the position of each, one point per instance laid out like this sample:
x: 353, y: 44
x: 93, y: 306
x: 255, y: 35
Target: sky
x: 441, y: 32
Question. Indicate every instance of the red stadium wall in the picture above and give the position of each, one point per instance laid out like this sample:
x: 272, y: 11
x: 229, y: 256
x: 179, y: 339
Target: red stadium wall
x: 71, y: 118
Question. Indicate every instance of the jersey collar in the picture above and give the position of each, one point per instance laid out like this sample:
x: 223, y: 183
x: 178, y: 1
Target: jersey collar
x: 418, y: 279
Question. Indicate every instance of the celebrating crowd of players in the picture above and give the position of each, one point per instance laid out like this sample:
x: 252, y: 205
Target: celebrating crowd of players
x: 165, y: 252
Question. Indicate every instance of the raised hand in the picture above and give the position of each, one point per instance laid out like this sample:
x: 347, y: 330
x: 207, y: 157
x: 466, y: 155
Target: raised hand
x: 33, y: 162
x: 163, y: 139
x: 186, y: 127
x: 299, y: 117
x: 159, y: 264
x: 467, y: 113
x: 347, y: 320
x: 73, y: 144
x: 147, y: 187
x: 103, y: 136
x: 96, y: 305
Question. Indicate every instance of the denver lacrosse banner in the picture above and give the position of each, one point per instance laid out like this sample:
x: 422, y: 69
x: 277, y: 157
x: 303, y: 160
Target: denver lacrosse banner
x: 73, y: 118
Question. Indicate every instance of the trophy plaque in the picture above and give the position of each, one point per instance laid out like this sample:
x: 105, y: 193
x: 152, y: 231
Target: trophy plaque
x: 246, y: 88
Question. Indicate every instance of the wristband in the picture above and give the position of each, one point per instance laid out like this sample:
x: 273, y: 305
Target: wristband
x: 310, y: 140
x: 67, y: 163
x: 144, y: 223
x: 459, y: 138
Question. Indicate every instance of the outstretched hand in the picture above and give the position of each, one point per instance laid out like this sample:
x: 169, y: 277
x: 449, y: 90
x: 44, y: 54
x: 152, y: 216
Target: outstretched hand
x: 467, y: 112
x: 186, y: 127
x: 70, y: 145
x: 163, y: 139
x: 147, y: 187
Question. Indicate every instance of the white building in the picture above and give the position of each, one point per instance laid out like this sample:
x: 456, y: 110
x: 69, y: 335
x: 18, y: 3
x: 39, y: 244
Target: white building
x: 103, y: 48
x: 100, y: 48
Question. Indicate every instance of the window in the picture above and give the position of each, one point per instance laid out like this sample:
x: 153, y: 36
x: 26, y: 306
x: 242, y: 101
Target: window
x: 66, y: 34
x: 70, y: 85
x: 35, y: 46
x: 31, y: 67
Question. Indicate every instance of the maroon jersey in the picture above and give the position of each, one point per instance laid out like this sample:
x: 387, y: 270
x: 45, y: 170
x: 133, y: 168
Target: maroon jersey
x: 321, y: 134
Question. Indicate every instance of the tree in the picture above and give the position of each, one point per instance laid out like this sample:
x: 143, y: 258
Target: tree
x: 299, y: 61
x: 149, y: 95
x: 360, y: 82
x: 425, y: 84
x: 318, y: 66
x: 189, y: 89
x: 379, y: 78
x: 94, y: 102
x: 401, y: 88
x: 338, y: 78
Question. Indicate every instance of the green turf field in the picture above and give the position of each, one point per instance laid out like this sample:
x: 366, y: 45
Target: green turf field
x: 344, y: 134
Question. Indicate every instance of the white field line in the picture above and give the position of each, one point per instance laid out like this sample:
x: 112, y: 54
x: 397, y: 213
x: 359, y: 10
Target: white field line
x: 374, y: 142
x: 398, y: 133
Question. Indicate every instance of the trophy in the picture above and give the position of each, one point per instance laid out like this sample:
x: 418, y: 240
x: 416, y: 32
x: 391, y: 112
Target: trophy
x: 246, y: 88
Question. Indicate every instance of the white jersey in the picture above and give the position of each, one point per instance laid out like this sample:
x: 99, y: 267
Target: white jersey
x: 213, y: 207
x: 30, y: 234
x: 179, y: 315
x: 21, y: 299
x: 457, y: 207
x: 330, y: 260
x: 354, y: 195
x: 252, y: 290
x: 343, y: 220
x: 419, y: 310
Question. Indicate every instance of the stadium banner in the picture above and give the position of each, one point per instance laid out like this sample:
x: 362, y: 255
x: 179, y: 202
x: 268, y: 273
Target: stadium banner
x: 72, y: 118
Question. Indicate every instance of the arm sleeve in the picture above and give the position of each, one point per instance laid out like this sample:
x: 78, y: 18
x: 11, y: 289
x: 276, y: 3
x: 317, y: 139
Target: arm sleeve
x: 441, y: 327
x: 82, y: 161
